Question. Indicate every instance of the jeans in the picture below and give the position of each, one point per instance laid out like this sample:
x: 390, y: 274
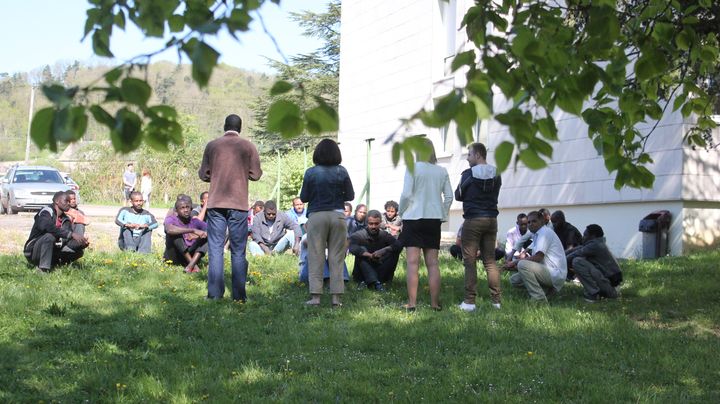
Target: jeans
x: 287, y: 241
x: 480, y: 234
x: 235, y: 222
x: 131, y: 242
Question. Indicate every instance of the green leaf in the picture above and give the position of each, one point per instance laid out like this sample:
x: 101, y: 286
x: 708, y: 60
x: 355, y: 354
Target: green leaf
x: 164, y: 111
x: 101, y: 43
x: 280, y: 87
x: 447, y: 107
x: 684, y: 39
x: 431, y: 119
x: 59, y: 95
x: 322, y: 118
x: 466, y: 58
x: 481, y: 109
x: 119, y: 19
x: 41, y: 128
x: 135, y: 91
x: 531, y: 159
x: 102, y: 117
x: 547, y: 128
x: 113, y: 75
x: 176, y: 23
x: 503, y: 154
x: 204, y: 59
x: 69, y: 124
x: 126, y: 135
x: 284, y: 117
x: 159, y: 133
x: 466, y: 116
x: 396, y: 149
x: 651, y: 63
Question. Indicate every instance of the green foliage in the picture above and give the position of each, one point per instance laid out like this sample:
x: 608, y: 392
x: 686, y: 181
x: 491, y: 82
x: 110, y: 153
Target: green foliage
x: 125, y: 327
x: 291, y: 166
x: 302, y: 104
x: 545, y: 55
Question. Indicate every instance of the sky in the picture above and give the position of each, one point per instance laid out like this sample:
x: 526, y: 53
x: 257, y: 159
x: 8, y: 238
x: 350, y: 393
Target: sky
x: 42, y: 32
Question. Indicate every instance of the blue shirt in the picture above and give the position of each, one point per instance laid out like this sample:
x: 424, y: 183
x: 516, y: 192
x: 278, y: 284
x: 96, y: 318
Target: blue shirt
x: 326, y: 188
x: 128, y: 215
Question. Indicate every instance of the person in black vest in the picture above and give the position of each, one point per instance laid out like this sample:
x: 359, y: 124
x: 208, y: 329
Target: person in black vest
x: 376, y: 254
x: 52, y: 240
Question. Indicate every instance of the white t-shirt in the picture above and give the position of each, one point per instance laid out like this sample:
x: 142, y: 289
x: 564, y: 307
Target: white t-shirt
x: 547, y: 241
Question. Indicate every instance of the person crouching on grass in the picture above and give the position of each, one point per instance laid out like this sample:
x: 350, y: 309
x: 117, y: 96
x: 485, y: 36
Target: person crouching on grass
x: 186, y: 237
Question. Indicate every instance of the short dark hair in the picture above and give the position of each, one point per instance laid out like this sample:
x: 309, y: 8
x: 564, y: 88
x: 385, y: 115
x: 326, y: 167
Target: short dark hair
x: 543, y: 212
x: 521, y: 216
x: 536, y: 214
x: 595, y: 230
x: 70, y: 192
x: 184, y: 197
x: 559, y: 214
x: 233, y: 122
x: 348, y: 205
x: 360, y: 205
x: 57, y: 195
x: 181, y: 201
x: 130, y: 164
x: 327, y: 153
x: 374, y: 213
x: 135, y: 193
x: 203, y: 194
x: 478, y: 148
x: 270, y: 205
x: 259, y: 203
x: 392, y: 204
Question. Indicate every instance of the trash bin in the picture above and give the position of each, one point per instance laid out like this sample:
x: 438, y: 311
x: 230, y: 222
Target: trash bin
x: 654, y: 228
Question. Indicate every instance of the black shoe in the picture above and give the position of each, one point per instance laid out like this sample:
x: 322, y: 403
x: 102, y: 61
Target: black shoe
x: 361, y: 286
x: 379, y: 287
x: 592, y: 298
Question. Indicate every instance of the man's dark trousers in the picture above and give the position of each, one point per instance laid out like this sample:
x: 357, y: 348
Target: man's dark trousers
x: 372, y: 271
x: 45, y: 254
x: 235, y: 222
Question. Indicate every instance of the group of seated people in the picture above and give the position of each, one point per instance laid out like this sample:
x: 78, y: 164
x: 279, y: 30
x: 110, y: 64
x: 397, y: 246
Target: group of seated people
x: 58, y: 237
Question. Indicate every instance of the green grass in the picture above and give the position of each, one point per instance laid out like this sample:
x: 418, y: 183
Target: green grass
x: 127, y: 328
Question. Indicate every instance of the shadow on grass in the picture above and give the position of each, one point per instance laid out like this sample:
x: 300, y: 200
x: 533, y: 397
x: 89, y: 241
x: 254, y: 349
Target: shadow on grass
x: 106, y: 331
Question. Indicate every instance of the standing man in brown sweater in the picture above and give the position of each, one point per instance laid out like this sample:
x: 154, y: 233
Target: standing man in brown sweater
x: 228, y: 163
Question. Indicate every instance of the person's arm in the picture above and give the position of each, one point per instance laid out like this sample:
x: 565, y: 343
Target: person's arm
x: 255, y: 171
x: 203, y: 212
x: 407, y: 192
x: 348, y: 191
x: 295, y: 227
x: 305, y: 190
x: 46, y: 223
x: 153, y: 222
x: 257, y: 229
x: 462, y: 185
x: 204, y: 170
x: 356, y: 246
x: 448, y: 197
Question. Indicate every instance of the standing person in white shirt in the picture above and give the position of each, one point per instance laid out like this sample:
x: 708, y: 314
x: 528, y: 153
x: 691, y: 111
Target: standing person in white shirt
x: 544, y: 272
x: 146, y: 186
x: 424, y: 204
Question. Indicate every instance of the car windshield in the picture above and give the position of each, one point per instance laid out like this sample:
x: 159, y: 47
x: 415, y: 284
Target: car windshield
x: 41, y: 176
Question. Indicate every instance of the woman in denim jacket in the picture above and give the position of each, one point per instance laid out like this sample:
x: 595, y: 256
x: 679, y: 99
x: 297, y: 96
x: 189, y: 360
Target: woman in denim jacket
x: 326, y: 187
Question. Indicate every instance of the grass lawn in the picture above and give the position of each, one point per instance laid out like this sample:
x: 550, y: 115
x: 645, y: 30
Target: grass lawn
x: 126, y: 328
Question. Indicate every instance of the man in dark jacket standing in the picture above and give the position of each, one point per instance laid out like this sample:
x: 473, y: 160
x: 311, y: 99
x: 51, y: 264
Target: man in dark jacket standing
x: 595, y: 265
x: 376, y: 254
x: 52, y: 240
x: 478, y: 191
x: 228, y: 163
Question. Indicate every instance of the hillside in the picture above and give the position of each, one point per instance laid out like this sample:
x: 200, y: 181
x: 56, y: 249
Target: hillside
x: 231, y: 90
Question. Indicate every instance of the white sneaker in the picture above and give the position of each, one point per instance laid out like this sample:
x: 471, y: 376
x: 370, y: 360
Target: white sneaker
x: 496, y: 305
x: 466, y: 307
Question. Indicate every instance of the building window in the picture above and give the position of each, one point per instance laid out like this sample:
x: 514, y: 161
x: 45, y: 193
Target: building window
x: 448, y: 14
x: 480, y: 132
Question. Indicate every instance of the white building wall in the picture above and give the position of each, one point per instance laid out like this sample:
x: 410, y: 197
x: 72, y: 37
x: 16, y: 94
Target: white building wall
x: 393, y: 63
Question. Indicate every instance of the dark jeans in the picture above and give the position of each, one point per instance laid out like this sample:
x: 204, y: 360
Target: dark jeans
x: 219, y: 221
x: 372, y: 271
x: 128, y: 241
x: 175, y: 248
x: 43, y: 252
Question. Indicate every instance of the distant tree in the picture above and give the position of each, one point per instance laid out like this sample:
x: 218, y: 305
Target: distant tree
x: 314, y: 76
x: 631, y: 59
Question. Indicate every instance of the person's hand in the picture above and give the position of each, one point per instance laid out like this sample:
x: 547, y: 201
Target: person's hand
x: 296, y: 250
x: 510, y: 265
x: 522, y: 255
x: 379, y: 253
x: 199, y: 233
x: 191, y: 236
x: 265, y: 249
x: 80, y: 239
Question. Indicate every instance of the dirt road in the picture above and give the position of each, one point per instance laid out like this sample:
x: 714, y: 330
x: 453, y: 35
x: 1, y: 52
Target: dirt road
x: 102, y: 231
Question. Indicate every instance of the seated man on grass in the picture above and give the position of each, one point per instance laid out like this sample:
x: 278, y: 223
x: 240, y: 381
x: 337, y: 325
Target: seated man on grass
x: 513, y: 235
x: 595, y: 266
x: 568, y: 234
x: 357, y: 221
x: 136, y: 226
x: 200, y: 212
x: 185, y: 237
x: 543, y: 273
x: 52, y: 240
x: 274, y: 232
x: 376, y: 254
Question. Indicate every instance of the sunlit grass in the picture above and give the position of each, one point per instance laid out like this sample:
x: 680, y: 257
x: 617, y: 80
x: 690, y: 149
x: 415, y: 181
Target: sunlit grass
x: 122, y: 327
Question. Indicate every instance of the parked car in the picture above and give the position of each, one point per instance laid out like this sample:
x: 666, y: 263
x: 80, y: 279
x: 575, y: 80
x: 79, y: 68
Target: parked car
x: 29, y: 188
x: 72, y: 184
